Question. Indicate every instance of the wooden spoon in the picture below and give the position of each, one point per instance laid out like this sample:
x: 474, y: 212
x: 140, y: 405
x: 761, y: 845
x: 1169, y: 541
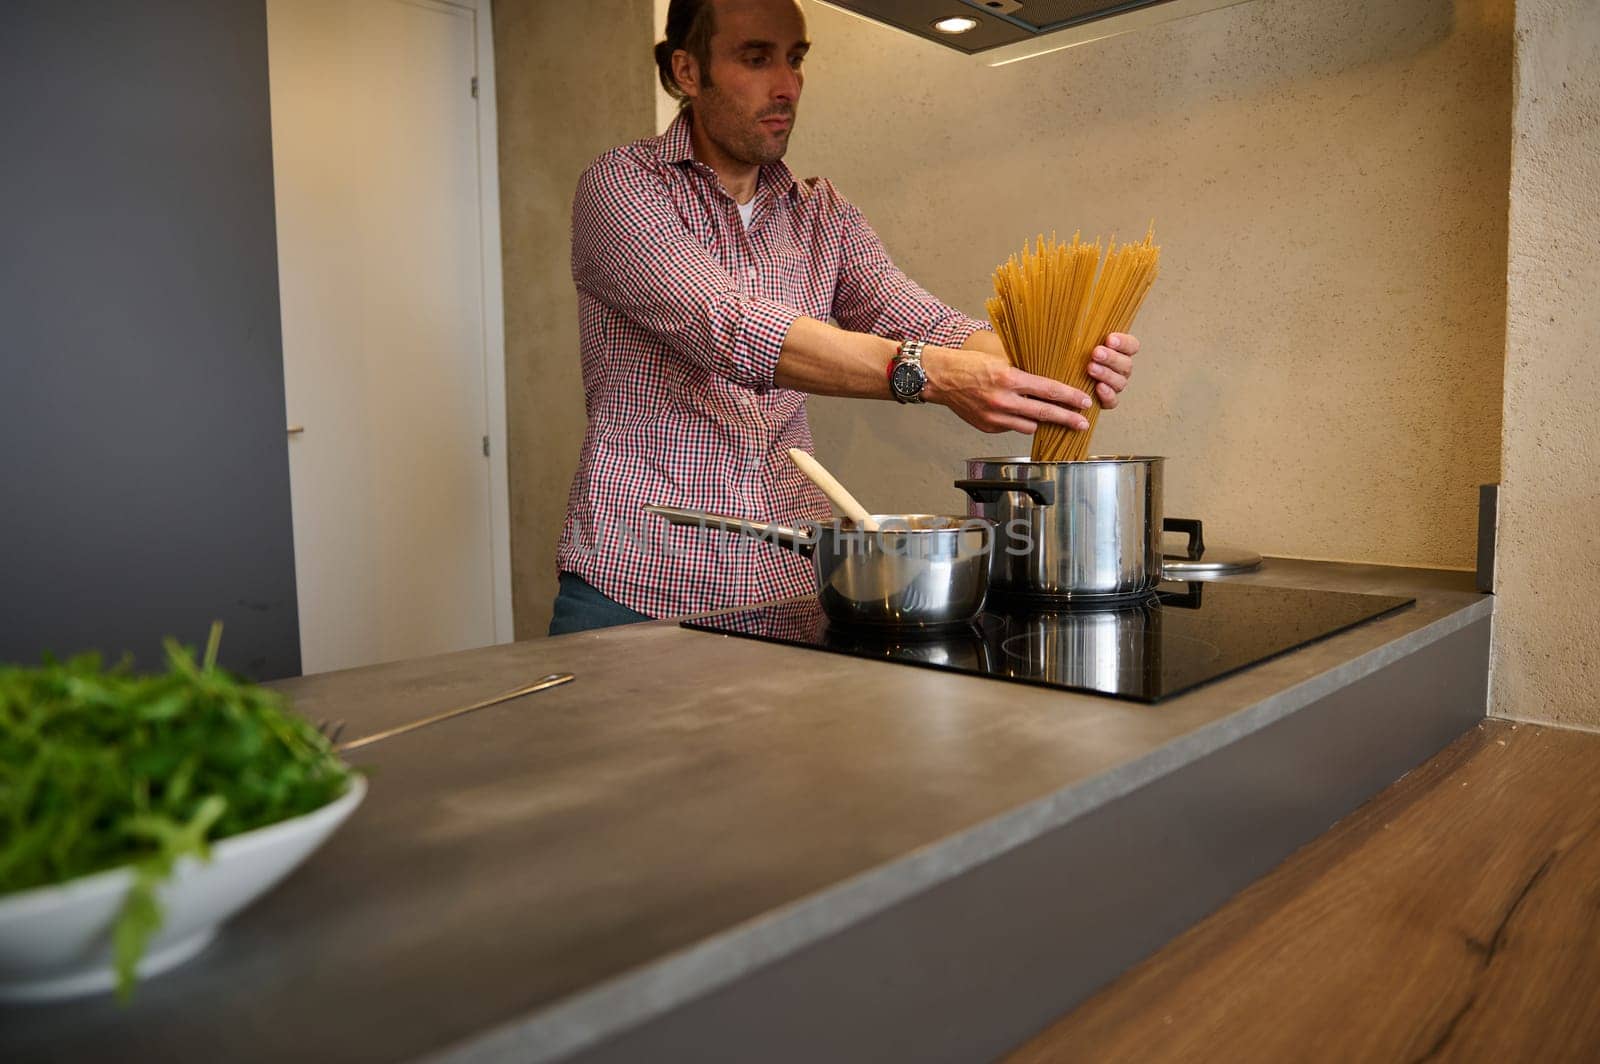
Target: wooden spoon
x: 833, y: 489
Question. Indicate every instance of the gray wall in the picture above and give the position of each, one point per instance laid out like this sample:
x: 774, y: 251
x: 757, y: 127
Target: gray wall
x: 144, y: 483
x: 1323, y: 349
x: 573, y: 80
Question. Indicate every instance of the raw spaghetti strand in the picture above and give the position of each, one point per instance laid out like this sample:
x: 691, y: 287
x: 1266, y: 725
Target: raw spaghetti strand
x: 1133, y: 274
x: 1054, y: 303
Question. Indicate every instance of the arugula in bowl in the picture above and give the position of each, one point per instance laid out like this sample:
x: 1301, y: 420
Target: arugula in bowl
x: 103, y: 768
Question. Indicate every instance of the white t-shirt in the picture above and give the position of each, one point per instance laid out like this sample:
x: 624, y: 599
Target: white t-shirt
x: 747, y: 211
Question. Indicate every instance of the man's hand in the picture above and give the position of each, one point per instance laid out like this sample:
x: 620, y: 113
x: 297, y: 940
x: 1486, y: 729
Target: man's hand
x: 1112, y: 366
x: 987, y: 392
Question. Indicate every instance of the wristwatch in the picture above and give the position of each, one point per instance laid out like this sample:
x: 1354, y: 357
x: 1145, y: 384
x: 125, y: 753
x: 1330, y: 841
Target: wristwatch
x: 907, y: 378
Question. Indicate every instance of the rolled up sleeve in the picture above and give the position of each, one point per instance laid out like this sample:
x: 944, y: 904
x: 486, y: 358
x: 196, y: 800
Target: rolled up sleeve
x: 632, y: 251
x: 874, y: 296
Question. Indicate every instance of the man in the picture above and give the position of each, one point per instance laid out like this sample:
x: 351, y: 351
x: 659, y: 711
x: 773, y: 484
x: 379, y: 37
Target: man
x: 706, y: 275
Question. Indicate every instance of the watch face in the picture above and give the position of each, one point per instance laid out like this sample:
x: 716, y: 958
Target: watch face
x: 908, y: 380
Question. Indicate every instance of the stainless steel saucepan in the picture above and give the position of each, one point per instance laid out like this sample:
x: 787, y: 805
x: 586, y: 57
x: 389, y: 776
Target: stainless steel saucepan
x: 915, y: 571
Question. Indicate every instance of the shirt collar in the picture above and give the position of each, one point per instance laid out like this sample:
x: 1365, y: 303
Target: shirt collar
x: 678, y: 147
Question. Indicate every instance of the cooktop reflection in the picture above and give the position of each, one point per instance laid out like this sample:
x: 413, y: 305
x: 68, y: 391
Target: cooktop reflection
x: 1182, y: 636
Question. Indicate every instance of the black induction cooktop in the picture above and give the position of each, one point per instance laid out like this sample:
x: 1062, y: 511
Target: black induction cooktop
x: 1181, y: 636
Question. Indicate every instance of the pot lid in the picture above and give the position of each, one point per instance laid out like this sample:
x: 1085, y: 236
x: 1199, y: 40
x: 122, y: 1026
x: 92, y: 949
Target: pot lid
x: 1198, y: 557
x: 1214, y: 560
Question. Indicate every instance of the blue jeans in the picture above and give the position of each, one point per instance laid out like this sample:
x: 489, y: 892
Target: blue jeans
x: 579, y: 607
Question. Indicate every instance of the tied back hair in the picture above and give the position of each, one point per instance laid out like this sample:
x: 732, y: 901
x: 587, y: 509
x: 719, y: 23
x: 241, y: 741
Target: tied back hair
x: 690, y: 24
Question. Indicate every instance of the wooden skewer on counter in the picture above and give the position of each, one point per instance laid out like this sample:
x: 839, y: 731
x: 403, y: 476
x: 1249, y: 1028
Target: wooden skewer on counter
x: 834, y: 490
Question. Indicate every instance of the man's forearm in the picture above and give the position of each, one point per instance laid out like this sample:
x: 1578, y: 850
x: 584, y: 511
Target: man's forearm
x: 978, y: 383
x: 987, y: 341
x: 825, y: 360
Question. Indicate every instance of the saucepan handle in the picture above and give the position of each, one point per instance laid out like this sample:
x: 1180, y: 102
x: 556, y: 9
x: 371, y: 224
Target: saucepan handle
x: 781, y: 535
x: 1190, y: 527
x: 1042, y: 492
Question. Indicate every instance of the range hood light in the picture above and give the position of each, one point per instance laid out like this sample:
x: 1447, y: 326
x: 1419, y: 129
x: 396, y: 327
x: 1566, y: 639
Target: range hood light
x: 1004, y: 31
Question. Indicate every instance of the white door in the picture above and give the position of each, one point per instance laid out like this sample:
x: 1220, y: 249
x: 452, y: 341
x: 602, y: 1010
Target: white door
x: 376, y: 157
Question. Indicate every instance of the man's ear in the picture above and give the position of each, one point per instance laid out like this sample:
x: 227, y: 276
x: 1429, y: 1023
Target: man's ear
x: 686, y: 72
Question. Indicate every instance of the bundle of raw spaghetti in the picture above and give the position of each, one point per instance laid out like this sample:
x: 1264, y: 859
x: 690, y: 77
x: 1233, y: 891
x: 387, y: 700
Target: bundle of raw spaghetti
x: 1055, y: 303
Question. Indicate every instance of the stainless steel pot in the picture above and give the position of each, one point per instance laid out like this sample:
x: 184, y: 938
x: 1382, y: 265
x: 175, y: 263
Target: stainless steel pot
x: 916, y: 571
x: 1086, y: 530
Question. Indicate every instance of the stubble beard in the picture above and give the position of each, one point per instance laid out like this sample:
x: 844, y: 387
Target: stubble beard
x: 744, y: 140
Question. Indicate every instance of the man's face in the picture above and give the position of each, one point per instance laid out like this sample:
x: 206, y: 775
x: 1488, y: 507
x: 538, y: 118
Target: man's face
x: 746, y: 104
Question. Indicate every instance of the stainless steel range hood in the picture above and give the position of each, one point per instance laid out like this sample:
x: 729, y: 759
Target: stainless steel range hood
x: 1004, y: 31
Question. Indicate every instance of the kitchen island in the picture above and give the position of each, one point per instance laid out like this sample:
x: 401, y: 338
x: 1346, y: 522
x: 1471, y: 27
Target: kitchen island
x: 712, y: 848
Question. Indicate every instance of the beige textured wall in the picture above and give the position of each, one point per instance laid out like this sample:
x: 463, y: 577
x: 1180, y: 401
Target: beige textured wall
x: 1546, y: 665
x: 1324, y: 348
x: 573, y: 80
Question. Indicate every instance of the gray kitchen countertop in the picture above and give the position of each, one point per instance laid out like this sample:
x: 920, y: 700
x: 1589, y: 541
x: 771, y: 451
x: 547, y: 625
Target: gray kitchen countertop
x: 693, y: 806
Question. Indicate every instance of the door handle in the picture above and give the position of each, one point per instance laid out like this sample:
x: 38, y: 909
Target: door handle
x: 295, y: 430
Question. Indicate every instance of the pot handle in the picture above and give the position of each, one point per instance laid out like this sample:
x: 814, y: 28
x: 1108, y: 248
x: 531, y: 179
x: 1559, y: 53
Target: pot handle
x: 1190, y: 527
x: 782, y: 535
x: 1042, y: 492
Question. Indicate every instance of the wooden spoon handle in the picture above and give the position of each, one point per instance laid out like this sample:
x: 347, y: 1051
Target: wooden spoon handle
x: 834, y: 490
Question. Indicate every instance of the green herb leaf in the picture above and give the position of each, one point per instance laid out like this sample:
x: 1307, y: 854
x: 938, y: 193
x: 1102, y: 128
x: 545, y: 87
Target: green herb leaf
x: 102, y: 768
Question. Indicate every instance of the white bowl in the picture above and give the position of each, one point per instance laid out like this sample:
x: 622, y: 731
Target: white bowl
x: 55, y: 941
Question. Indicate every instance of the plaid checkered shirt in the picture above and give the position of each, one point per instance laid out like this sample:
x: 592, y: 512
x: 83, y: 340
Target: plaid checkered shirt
x: 682, y: 313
